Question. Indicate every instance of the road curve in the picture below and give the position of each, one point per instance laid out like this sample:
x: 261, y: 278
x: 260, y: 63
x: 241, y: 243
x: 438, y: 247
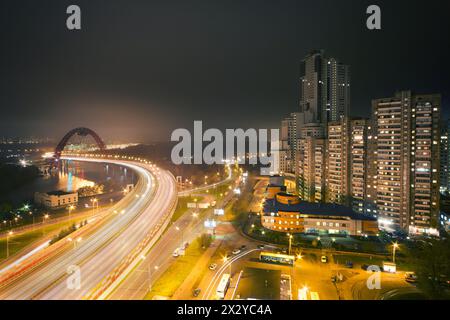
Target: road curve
x: 131, y: 222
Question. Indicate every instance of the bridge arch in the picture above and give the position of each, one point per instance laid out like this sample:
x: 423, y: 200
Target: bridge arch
x: 81, y: 131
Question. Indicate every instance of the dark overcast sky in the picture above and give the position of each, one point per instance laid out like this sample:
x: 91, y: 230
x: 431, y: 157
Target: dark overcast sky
x: 139, y: 69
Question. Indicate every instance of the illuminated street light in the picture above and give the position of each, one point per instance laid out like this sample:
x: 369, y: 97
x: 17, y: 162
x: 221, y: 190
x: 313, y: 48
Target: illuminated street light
x: 394, y: 248
x: 290, y: 243
x: 32, y: 217
x: 8, y: 235
x: 94, y: 204
x: 150, y: 275
x: 225, y: 260
x: 70, y: 208
x: 44, y: 217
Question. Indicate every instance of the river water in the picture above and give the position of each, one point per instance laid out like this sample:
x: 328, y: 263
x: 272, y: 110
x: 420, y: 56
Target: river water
x: 72, y: 175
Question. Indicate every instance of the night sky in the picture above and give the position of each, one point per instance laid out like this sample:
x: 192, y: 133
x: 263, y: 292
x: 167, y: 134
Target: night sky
x: 140, y: 69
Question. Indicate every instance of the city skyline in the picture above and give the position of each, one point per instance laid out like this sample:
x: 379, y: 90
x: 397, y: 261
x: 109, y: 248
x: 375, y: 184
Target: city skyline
x: 165, y: 71
x: 242, y: 152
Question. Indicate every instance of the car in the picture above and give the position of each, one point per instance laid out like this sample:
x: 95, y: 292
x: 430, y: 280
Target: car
x: 185, y: 244
x: 236, y: 251
x: 213, y: 266
x: 348, y: 264
x: 175, y: 254
x: 196, y: 292
x: 284, y: 250
x: 260, y: 246
x: 324, y: 259
x: 410, y: 277
x: 243, y: 247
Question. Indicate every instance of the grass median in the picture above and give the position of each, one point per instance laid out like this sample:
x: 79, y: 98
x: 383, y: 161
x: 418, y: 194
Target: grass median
x: 173, y: 277
x: 19, y: 242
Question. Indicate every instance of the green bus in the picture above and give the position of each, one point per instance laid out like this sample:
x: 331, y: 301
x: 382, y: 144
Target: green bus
x: 277, y: 258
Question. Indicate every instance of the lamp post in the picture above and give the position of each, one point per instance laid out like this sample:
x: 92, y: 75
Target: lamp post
x: 394, y: 248
x: 94, y: 204
x: 75, y: 241
x: 32, y: 217
x: 8, y: 235
x: 44, y: 217
x: 290, y: 243
x: 225, y: 259
x: 150, y: 276
x: 71, y: 207
x: 182, y: 234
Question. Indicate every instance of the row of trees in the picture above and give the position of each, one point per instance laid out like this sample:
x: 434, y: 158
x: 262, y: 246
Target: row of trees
x: 65, y: 232
x: 430, y: 260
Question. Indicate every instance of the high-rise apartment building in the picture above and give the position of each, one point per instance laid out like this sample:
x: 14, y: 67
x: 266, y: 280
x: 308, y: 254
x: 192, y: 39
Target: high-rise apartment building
x: 324, y: 88
x: 337, y: 171
x: 288, y: 141
x: 333, y: 169
x: 311, y: 163
x: 358, y: 164
x: 404, y: 161
x: 445, y: 160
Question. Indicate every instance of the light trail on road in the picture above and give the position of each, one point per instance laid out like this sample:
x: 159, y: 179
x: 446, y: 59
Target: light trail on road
x: 218, y: 275
x: 97, y: 255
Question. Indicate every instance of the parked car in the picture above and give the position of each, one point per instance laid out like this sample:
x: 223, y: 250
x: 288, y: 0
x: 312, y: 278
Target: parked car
x: 260, y: 246
x: 236, y: 251
x: 324, y: 259
x: 176, y: 254
x: 410, y: 277
x: 284, y: 250
x: 348, y: 264
x: 213, y: 266
x: 196, y: 292
x: 243, y: 247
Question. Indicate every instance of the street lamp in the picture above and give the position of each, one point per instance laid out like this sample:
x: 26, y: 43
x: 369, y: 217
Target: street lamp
x: 32, y: 216
x: 225, y: 260
x: 150, y: 276
x: 394, y: 247
x: 94, y: 204
x: 44, y: 217
x: 75, y: 241
x: 71, y: 207
x: 182, y: 233
x: 8, y: 235
x: 290, y: 243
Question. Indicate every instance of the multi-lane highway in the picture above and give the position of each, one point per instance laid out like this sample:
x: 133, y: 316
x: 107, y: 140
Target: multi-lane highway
x: 155, y: 262
x: 103, y: 252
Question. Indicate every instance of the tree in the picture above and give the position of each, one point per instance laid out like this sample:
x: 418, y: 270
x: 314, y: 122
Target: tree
x: 431, y: 260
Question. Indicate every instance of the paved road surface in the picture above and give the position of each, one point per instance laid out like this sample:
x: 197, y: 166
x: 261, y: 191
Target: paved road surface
x: 102, y: 251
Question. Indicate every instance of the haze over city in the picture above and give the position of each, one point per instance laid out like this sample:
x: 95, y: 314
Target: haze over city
x: 141, y: 70
x: 225, y: 158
